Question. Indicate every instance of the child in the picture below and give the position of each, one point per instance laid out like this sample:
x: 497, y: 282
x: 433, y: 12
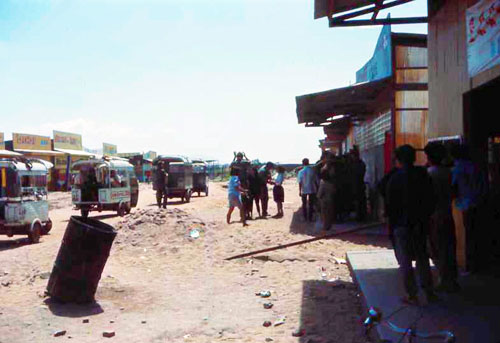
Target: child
x: 278, y: 191
x: 234, y: 190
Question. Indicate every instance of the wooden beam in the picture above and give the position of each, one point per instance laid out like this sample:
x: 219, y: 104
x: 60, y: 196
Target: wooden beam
x: 387, y: 21
x: 373, y: 9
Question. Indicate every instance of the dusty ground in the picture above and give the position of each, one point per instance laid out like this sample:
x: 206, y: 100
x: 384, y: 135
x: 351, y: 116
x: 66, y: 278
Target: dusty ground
x: 162, y: 285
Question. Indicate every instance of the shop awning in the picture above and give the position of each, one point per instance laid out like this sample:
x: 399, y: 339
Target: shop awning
x: 8, y: 153
x: 47, y: 164
x: 75, y: 152
x: 355, y: 101
x: 39, y: 152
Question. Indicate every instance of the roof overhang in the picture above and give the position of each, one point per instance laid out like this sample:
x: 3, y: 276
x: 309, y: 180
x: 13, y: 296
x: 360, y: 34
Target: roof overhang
x: 356, y: 101
x: 39, y: 152
x: 75, y: 152
x: 342, y: 12
x: 8, y: 153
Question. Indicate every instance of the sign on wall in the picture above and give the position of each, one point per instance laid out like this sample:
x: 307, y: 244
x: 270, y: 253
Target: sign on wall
x: 483, y: 36
x: 2, y: 141
x: 109, y: 149
x: 150, y: 155
x: 21, y: 141
x: 66, y: 140
x: 380, y: 65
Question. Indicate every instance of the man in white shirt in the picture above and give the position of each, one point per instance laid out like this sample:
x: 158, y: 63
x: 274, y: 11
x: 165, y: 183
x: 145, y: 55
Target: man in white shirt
x: 308, y: 186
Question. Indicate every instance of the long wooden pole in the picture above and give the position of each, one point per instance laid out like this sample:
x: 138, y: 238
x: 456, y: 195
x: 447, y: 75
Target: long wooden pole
x: 288, y: 245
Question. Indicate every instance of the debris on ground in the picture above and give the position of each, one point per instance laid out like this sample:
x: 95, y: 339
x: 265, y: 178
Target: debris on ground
x: 280, y: 321
x: 263, y: 294
x: 108, y: 334
x: 299, y: 333
x: 268, y: 306
x: 6, y: 283
x: 339, y: 260
x: 59, y: 333
x: 267, y: 324
x: 85, y: 321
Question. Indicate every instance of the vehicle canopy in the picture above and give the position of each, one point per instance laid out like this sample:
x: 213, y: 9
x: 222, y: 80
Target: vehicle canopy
x: 171, y: 159
x: 199, y: 166
x: 21, y: 177
x: 96, y: 170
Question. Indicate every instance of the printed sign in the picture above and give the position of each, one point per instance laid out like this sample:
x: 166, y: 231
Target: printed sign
x: 2, y: 141
x: 30, y: 142
x: 66, y: 140
x: 380, y: 65
x: 150, y: 155
x: 109, y: 149
x: 483, y: 36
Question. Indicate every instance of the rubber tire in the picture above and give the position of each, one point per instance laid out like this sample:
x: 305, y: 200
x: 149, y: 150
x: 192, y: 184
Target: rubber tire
x: 121, y: 210
x: 85, y: 213
x: 199, y: 194
x: 47, y: 227
x: 34, y: 235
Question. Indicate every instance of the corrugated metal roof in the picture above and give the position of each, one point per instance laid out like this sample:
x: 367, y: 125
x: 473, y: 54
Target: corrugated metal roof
x: 325, y: 8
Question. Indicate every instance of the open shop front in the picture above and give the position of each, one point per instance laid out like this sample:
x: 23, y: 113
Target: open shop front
x: 387, y: 107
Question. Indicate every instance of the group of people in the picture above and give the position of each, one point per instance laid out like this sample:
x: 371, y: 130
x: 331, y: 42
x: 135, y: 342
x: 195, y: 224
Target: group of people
x: 334, y: 187
x: 248, y: 184
x: 418, y: 204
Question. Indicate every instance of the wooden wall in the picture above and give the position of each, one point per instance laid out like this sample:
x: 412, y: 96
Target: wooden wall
x: 448, y: 75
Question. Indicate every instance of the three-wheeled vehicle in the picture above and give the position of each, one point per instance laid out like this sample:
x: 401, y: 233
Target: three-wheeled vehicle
x: 105, y: 184
x: 200, y: 177
x: 180, y: 176
x: 24, y: 206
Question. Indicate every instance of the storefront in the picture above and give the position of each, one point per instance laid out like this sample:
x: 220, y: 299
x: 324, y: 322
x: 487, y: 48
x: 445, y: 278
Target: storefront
x: 3, y: 152
x: 389, y: 100
x: 143, y: 164
x: 464, y: 84
x: 34, y: 146
x: 109, y: 149
x: 71, y: 147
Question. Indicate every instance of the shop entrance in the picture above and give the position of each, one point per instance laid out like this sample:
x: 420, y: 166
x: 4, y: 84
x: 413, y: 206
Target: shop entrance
x: 482, y: 133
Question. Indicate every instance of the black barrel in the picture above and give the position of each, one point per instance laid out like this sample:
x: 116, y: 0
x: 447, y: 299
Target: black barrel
x: 81, y: 259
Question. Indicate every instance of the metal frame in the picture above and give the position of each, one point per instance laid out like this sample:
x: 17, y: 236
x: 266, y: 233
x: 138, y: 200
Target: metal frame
x: 342, y: 20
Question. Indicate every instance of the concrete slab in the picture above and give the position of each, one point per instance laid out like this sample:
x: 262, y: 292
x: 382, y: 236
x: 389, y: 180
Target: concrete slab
x: 473, y: 315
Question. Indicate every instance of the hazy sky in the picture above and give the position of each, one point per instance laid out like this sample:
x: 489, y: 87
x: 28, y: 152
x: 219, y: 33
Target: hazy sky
x: 192, y: 77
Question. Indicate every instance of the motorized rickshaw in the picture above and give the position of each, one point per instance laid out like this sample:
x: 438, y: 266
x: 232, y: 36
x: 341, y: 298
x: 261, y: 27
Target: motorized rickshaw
x: 24, y: 206
x: 104, y: 184
x: 180, y: 176
x: 200, y: 177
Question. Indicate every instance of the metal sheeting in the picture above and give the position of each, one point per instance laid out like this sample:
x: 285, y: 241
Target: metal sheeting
x: 325, y: 8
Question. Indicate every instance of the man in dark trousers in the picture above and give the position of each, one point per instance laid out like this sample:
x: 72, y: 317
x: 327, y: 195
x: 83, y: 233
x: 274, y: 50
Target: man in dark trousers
x: 308, y: 187
x: 265, y: 178
x: 160, y: 184
x: 358, y: 168
x: 410, y: 203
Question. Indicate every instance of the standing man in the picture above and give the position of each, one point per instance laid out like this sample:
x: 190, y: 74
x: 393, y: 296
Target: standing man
x: 359, y: 189
x: 160, y: 184
x: 308, y: 186
x: 410, y: 203
x: 442, y: 228
x: 265, y: 178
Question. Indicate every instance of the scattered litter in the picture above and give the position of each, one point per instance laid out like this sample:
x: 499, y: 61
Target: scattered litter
x: 267, y: 324
x: 45, y: 276
x: 59, y: 333
x: 143, y: 322
x: 85, y: 321
x: 112, y: 321
x: 339, y: 260
x: 263, y: 294
x: 5, y: 273
x: 6, y: 283
x: 186, y: 336
x: 269, y: 339
x: 280, y: 321
x: 108, y: 334
x: 299, y: 333
x: 122, y: 308
x: 268, y: 306
x: 194, y: 233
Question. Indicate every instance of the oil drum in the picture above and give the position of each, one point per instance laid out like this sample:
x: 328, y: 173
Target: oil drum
x: 81, y: 259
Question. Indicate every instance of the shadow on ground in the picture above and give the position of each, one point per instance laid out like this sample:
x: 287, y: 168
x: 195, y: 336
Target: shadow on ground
x: 71, y: 310
x: 329, y: 312
x: 13, y: 243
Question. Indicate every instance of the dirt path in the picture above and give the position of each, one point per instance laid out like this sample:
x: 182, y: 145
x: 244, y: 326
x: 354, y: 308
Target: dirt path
x: 161, y: 285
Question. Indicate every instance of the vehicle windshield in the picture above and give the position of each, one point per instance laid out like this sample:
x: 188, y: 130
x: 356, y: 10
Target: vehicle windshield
x: 9, y: 183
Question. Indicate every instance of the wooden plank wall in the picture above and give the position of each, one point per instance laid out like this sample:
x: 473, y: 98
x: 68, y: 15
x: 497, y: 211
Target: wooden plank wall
x: 448, y: 75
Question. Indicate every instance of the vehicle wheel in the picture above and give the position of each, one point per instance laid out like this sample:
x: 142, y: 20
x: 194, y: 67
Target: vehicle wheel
x: 199, y: 194
x: 121, y: 210
x: 47, y: 227
x: 35, y: 232
x: 85, y: 212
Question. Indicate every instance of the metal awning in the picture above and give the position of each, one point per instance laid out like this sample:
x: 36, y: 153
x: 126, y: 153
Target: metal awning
x: 339, y: 12
x: 355, y: 101
x: 39, y: 152
x: 8, y: 153
x: 75, y: 152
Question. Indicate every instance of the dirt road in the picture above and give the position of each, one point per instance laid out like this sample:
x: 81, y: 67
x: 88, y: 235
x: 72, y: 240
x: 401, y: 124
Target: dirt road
x: 161, y: 285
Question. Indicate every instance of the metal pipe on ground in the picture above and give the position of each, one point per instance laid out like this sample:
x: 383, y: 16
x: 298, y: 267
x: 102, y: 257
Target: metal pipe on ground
x: 305, y: 241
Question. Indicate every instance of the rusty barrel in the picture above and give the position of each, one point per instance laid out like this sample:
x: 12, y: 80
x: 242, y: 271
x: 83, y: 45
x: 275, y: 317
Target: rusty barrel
x: 81, y: 259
